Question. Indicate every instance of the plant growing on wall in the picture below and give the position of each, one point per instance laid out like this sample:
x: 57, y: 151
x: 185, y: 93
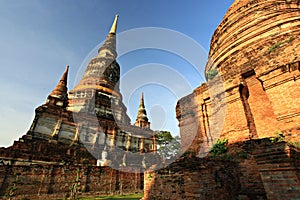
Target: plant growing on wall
x: 274, y: 47
x: 212, y: 73
x: 75, y: 188
x: 279, y: 137
x: 219, y: 147
x: 295, y: 144
x: 13, y: 188
x: 280, y: 43
x: 192, y: 113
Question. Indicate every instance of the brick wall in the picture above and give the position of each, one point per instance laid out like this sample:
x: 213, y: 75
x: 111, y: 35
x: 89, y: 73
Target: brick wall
x: 254, y: 169
x: 45, y: 181
x: 193, y: 179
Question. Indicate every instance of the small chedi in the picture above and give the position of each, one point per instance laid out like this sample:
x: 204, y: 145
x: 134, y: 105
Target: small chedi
x: 241, y: 129
x: 85, y: 127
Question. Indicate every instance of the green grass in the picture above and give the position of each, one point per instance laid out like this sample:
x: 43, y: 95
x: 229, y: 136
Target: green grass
x: 115, y: 197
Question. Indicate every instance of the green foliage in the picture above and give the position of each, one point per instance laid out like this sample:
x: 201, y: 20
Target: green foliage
x: 211, y: 74
x: 13, y: 188
x: 168, y: 146
x: 291, y: 39
x: 295, y: 144
x: 226, y: 157
x: 192, y: 113
x: 219, y: 147
x: 75, y: 187
x: 274, y: 47
x: 11, y: 192
x: 279, y: 137
x: 280, y: 43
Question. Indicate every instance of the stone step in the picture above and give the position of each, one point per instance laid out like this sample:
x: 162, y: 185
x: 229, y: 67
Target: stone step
x: 273, y: 157
x: 278, y: 160
x: 269, y: 149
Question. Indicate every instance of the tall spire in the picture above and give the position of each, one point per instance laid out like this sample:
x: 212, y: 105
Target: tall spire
x: 113, y: 29
x: 61, y: 90
x: 142, y: 105
x: 99, y: 70
x: 101, y: 78
x: 142, y: 119
x: 108, y: 49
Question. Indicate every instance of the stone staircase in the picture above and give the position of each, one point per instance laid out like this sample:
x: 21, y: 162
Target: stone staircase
x: 278, y: 170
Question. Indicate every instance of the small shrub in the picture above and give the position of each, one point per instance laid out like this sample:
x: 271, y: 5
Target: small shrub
x: 279, y: 137
x: 226, y: 157
x: 274, y: 47
x: 75, y: 187
x: 295, y: 144
x: 219, y: 147
x: 291, y: 39
x: 11, y: 192
x: 211, y: 74
x: 192, y: 113
x: 13, y: 188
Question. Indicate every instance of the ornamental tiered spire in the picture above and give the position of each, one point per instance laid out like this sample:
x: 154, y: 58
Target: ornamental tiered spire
x: 61, y: 90
x: 142, y: 119
x: 109, y: 46
x: 101, y: 81
x: 103, y: 69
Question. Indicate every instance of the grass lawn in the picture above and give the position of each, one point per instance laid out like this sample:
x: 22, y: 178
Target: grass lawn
x: 115, y: 197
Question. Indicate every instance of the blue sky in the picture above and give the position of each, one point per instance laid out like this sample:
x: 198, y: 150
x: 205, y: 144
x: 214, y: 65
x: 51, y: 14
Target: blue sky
x: 38, y: 38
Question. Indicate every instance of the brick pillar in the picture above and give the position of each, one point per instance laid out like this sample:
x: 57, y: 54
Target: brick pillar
x: 57, y: 128
x: 142, y: 146
x: 261, y: 109
x: 154, y: 142
x: 113, y: 139
x: 128, y: 143
x: 76, y: 136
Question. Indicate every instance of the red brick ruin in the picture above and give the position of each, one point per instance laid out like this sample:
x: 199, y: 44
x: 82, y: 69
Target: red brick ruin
x: 251, y: 99
x: 252, y: 94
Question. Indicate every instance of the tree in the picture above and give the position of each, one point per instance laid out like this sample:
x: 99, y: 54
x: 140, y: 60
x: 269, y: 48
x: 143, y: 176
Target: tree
x: 168, y: 146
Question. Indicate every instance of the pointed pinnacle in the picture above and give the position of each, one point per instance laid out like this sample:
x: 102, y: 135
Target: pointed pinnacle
x: 61, y: 88
x: 142, y: 101
x: 113, y: 28
x: 65, y: 75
